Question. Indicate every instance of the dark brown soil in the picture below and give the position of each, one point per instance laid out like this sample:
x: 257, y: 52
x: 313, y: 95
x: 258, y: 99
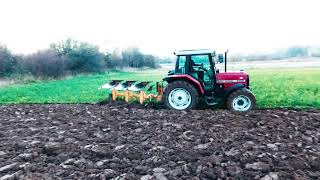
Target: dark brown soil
x: 131, y: 142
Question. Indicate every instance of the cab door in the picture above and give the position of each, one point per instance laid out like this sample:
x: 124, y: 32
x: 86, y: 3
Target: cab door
x: 200, y: 67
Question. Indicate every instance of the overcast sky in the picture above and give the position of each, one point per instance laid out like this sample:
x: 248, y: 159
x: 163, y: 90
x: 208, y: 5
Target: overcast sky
x: 161, y: 26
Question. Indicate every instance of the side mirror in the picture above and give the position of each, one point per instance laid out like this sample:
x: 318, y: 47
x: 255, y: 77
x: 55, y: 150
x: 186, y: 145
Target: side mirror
x: 220, y: 58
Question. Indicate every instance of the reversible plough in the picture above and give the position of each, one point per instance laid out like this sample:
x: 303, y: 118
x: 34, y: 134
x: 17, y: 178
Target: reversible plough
x: 134, y: 90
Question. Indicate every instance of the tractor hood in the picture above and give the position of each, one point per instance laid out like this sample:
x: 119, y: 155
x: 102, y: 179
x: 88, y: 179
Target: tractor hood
x: 231, y: 78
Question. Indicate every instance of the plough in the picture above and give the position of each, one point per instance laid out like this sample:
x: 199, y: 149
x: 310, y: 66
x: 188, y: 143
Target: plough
x: 134, y: 90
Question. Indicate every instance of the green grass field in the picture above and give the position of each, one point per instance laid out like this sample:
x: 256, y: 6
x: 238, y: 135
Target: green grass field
x: 299, y: 88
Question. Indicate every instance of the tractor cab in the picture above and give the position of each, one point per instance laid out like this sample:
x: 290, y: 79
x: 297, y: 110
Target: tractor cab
x: 199, y: 64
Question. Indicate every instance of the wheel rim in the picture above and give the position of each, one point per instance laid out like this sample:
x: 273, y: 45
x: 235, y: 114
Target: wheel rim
x: 179, y: 98
x: 241, y: 103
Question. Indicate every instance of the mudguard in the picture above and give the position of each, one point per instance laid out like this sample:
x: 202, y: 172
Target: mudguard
x: 188, y: 78
x: 232, y: 89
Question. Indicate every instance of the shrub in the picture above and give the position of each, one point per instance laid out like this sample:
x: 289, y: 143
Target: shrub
x: 47, y: 63
x: 132, y: 57
x: 149, y: 61
x: 8, y: 62
x: 70, y: 56
x: 114, y: 60
x: 83, y: 56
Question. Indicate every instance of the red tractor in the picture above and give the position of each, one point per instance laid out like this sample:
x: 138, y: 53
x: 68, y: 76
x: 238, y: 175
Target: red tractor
x: 195, y: 79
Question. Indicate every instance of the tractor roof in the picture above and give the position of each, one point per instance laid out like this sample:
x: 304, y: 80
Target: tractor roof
x: 192, y: 52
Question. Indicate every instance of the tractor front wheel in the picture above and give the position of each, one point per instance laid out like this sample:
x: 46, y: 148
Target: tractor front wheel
x: 180, y: 95
x: 241, y: 101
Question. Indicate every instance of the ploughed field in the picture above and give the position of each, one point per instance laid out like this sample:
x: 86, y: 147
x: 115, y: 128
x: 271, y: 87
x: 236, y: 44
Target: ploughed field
x: 131, y: 142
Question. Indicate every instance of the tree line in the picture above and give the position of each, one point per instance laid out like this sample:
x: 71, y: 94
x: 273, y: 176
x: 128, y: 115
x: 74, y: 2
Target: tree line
x: 291, y: 52
x: 70, y: 57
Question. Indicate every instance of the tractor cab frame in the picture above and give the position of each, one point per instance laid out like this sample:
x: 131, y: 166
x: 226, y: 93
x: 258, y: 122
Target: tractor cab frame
x: 198, y: 64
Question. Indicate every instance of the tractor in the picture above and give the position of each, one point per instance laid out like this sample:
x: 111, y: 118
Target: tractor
x: 194, y: 80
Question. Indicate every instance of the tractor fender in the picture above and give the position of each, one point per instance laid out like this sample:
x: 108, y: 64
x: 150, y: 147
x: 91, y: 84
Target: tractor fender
x: 232, y: 89
x: 188, y: 78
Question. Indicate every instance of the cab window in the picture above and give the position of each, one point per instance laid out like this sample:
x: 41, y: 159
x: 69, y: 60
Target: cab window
x: 201, y: 60
x: 181, y: 63
x: 201, y: 68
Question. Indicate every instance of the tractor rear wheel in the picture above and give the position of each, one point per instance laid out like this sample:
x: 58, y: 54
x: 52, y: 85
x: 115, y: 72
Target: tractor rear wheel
x: 180, y: 95
x: 241, y: 101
